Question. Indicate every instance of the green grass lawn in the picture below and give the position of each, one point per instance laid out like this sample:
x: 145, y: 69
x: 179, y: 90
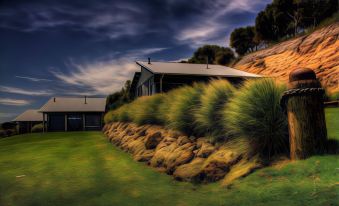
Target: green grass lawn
x: 332, y: 119
x: 82, y: 168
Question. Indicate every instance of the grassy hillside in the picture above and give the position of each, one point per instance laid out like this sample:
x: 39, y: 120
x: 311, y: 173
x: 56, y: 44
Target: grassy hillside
x: 316, y: 50
x: 82, y: 168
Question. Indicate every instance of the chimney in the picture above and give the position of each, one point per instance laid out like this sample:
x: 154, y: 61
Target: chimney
x: 85, y: 99
x: 54, y: 99
x: 149, y: 60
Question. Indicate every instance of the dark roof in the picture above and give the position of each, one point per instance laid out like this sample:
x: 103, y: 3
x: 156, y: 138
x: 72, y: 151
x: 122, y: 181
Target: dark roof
x: 31, y: 115
x: 74, y: 104
x: 193, y: 69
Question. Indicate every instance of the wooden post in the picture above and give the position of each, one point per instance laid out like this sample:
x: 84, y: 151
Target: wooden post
x: 47, y: 122
x: 83, y: 122
x: 305, y: 112
x: 65, y: 122
x: 43, y: 122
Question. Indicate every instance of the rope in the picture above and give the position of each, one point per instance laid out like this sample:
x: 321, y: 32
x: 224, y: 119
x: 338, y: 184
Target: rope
x: 303, y: 91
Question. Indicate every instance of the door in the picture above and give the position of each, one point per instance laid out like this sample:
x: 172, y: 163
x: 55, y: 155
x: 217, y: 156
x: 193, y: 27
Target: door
x: 56, y: 122
x: 74, y: 122
x: 93, y: 121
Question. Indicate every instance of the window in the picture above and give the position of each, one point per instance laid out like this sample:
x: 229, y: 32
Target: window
x: 92, y: 120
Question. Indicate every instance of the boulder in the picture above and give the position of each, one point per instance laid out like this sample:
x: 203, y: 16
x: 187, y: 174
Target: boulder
x: 144, y: 156
x: 190, y: 171
x: 153, y: 139
x: 204, y: 148
x: 243, y: 168
x: 218, y: 164
x: 181, y: 140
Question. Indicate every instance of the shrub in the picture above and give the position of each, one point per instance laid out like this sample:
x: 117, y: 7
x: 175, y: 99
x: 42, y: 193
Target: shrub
x: 10, y: 132
x: 118, y: 115
x: 145, y: 109
x: 2, y: 133
x: 8, y: 125
x: 254, y: 112
x: 122, y: 113
x: 109, y: 117
x: 331, y: 96
x: 164, y: 107
x: 213, y: 99
x: 181, y: 105
x: 37, y: 128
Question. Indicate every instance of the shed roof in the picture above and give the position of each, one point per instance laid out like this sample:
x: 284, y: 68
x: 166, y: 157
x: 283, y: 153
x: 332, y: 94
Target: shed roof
x: 74, y: 104
x: 31, y: 115
x: 193, y: 69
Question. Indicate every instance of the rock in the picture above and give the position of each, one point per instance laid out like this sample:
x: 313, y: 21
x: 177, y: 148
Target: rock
x: 241, y: 169
x: 188, y: 159
x: 177, y: 158
x: 191, y: 171
x: 205, y: 149
x: 172, y: 155
x: 144, y: 156
x: 183, y: 140
x: 153, y: 139
x: 218, y: 164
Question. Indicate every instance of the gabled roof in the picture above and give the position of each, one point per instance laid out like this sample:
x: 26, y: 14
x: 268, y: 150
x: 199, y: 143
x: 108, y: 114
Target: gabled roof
x: 31, y: 115
x: 74, y: 104
x: 173, y: 68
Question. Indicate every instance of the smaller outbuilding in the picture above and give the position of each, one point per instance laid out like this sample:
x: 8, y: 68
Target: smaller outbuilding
x: 27, y: 120
x: 73, y: 114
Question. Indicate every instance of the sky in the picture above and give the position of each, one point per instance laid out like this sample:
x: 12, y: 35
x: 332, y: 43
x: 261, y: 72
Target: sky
x: 54, y: 48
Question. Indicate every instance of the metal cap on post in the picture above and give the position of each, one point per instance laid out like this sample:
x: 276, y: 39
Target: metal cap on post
x: 305, y: 112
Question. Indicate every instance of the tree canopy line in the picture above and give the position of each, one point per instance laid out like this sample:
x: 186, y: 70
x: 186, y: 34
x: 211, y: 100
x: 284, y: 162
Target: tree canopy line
x: 279, y: 20
x: 119, y: 98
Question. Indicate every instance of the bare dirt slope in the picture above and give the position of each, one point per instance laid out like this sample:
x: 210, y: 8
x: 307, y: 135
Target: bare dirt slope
x: 318, y: 51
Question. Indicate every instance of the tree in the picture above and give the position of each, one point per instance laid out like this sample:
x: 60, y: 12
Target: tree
x: 119, y: 98
x: 317, y: 10
x: 8, y: 125
x: 213, y: 53
x: 242, y: 40
x: 224, y: 57
x: 264, y: 26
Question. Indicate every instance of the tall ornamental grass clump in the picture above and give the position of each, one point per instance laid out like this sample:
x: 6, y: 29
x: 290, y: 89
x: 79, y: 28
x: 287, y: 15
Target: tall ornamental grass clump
x: 120, y: 114
x: 144, y: 110
x: 37, y: 128
x: 179, y: 108
x: 208, y: 115
x: 254, y: 112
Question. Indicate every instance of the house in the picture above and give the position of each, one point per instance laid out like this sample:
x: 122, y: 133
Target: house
x: 158, y: 77
x: 27, y: 120
x: 73, y: 114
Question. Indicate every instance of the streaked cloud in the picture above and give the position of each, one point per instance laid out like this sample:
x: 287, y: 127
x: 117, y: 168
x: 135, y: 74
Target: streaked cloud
x: 99, y: 78
x: 16, y: 90
x: 33, y: 79
x: 14, y: 102
x: 102, y: 77
x: 5, y: 115
x: 213, y: 26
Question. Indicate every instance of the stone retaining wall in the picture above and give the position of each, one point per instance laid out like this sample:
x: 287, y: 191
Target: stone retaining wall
x: 186, y: 158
